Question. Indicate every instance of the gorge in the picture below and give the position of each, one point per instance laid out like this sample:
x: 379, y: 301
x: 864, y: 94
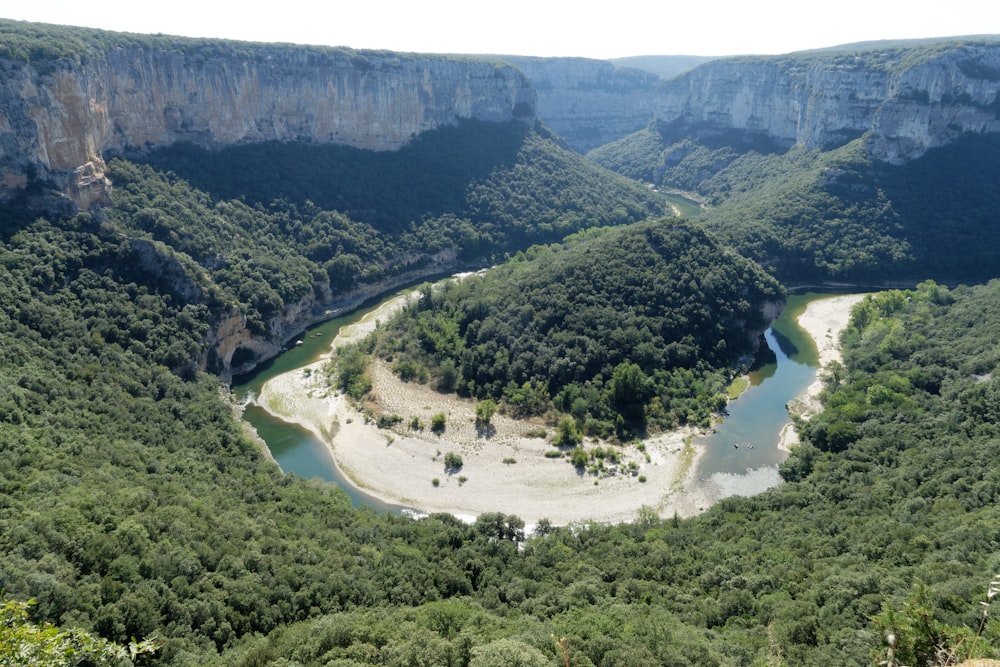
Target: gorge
x: 173, y: 211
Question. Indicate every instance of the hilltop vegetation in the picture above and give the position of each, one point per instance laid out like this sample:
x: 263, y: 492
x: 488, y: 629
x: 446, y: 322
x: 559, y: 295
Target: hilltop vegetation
x: 627, y: 328
x: 43, y: 44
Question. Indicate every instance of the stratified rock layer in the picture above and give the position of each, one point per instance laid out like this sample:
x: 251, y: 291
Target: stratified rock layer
x: 905, y: 101
x: 58, y: 118
x: 590, y: 102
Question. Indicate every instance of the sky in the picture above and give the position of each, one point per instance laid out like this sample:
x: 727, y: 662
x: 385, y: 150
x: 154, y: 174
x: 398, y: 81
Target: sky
x: 548, y: 28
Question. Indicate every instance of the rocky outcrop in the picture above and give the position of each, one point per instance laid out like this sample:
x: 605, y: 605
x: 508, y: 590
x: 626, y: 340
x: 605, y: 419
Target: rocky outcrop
x: 58, y: 118
x: 590, y: 102
x: 904, y: 100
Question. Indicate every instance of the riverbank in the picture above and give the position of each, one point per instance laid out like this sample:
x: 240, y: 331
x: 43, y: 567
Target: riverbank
x: 505, y: 469
x: 824, y: 319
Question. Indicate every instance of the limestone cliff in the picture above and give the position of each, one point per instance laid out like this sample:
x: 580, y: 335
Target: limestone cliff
x: 59, y: 117
x: 590, y: 102
x: 904, y: 99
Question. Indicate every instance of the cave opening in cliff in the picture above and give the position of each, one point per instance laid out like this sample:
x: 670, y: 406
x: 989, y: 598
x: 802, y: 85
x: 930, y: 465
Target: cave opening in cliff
x: 241, y: 356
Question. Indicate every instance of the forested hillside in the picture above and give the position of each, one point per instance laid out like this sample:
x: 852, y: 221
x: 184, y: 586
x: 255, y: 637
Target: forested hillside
x: 275, y: 225
x: 133, y: 504
x: 626, y: 329
x: 839, y: 215
x: 846, y: 164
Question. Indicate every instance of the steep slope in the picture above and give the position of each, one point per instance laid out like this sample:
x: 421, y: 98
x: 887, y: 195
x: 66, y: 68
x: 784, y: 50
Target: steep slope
x: 336, y: 226
x: 588, y: 102
x: 62, y: 110
x: 809, y: 161
x: 906, y: 99
x: 310, y: 179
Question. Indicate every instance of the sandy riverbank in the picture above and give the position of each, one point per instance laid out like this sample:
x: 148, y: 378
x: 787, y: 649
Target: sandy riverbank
x: 504, y: 470
x: 823, y: 320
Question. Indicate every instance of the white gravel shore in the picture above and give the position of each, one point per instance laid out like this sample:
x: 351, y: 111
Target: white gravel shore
x: 504, y: 470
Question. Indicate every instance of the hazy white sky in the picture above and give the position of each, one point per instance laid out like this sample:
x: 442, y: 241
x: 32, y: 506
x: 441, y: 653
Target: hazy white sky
x: 604, y: 29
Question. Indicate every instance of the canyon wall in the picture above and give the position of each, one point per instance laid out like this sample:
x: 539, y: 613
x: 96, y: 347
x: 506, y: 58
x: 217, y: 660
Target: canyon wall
x: 58, y: 118
x: 590, y: 102
x: 904, y: 100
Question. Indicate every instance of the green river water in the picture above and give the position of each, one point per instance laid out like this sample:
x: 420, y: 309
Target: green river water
x: 741, y: 455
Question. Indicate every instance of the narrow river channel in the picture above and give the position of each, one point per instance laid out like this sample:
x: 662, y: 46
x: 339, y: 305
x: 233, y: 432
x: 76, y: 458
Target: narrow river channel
x: 741, y: 455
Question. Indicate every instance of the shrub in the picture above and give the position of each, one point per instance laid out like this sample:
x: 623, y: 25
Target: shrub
x: 388, y: 421
x: 452, y: 461
x: 437, y: 423
x: 485, y: 409
x: 406, y: 370
x: 579, y: 457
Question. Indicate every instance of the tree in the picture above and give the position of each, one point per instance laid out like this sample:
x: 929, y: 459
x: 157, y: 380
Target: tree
x: 567, y: 434
x: 629, y: 389
x: 447, y: 375
x: 485, y: 409
x: 508, y: 653
x: 24, y: 643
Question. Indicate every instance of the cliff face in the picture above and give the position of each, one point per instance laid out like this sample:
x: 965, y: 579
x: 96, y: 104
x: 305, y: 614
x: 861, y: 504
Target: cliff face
x: 590, y: 102
x: 905, y: 102
x: 58, y: 118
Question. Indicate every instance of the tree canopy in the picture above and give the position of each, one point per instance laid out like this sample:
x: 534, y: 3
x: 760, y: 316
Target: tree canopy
x: 134, y: 504
x: 628, y: 327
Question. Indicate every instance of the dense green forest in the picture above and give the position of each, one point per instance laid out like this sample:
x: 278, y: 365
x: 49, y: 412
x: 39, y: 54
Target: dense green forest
x: 132, y: 504
x: 340, y: 218
x: 485, y: 187
x: 625, y: 329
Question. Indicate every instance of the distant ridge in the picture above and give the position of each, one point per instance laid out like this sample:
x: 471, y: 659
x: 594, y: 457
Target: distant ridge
x: 900, y: 43
x: 665, y: 67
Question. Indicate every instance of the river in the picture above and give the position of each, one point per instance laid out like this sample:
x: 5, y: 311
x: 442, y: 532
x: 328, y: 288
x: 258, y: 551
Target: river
x: 741, y: 456
x: 297, y: 450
